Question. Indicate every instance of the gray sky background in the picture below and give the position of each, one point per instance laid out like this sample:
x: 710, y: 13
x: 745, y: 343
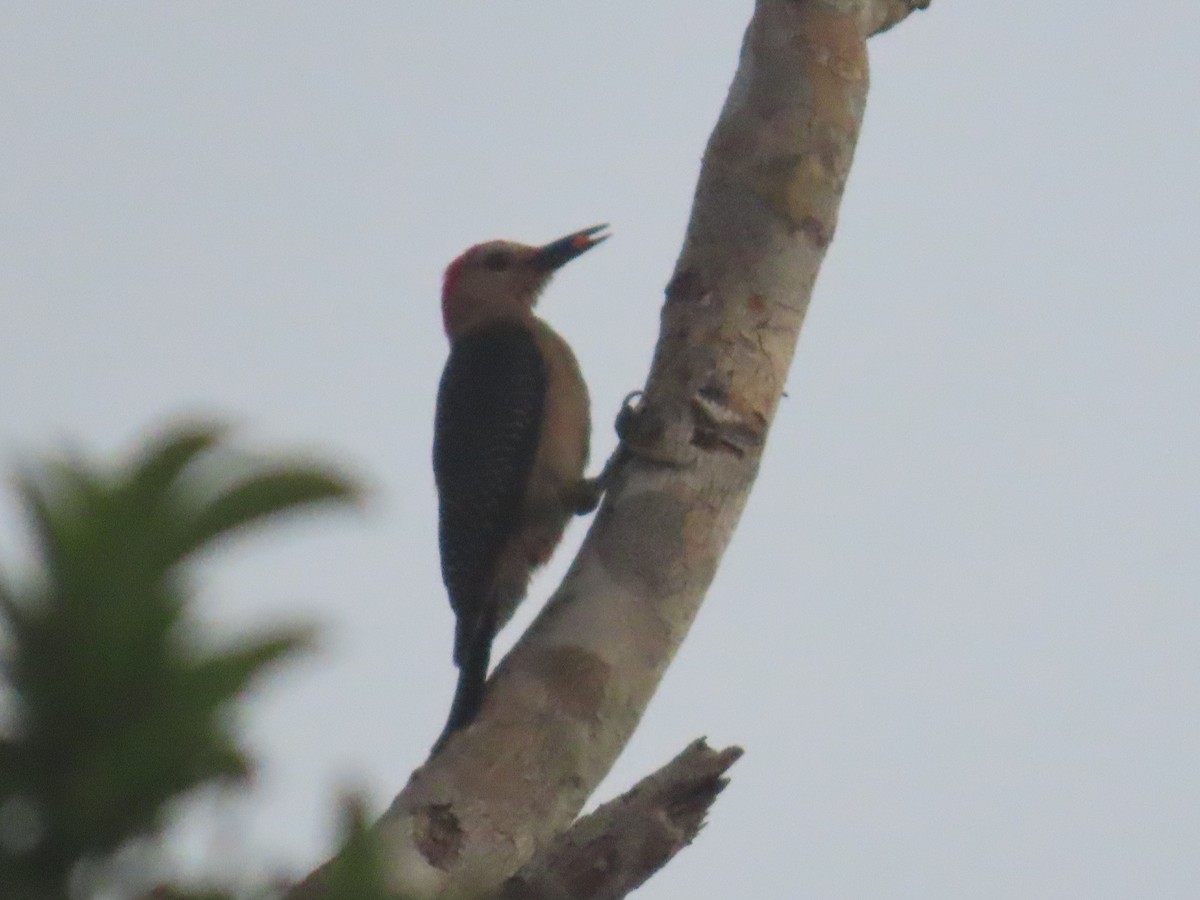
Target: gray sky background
x: 958, y: 631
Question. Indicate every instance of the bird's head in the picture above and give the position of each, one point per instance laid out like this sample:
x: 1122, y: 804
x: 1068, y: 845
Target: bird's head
x: 501, y: 279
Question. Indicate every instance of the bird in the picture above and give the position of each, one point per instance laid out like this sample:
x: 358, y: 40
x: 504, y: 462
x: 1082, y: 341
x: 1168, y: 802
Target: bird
x: 511, y: 440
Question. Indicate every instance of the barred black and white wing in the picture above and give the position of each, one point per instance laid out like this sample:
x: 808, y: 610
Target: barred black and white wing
x: 489, y: 417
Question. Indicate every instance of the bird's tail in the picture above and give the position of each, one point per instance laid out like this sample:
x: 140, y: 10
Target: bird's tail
x: 472, y: 654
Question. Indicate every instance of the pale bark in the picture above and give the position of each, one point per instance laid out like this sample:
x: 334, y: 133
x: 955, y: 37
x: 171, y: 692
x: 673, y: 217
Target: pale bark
x: 612, y: 851
x: 563, y: 703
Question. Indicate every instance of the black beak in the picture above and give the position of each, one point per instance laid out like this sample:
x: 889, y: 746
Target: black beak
x: 559, y: 253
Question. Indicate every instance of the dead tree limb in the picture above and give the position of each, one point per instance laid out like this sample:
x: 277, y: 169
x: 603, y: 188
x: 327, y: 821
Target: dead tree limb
x: 564, y: 702
x: 611, y: 851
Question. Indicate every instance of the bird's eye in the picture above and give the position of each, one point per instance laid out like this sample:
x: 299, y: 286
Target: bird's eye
x: 497, y: 260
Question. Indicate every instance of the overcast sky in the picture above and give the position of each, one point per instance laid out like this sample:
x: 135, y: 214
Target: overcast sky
x: 958, y: 630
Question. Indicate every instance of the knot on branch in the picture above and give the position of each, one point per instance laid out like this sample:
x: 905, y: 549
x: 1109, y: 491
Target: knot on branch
x: 721, y: 423
x: 670, y: 434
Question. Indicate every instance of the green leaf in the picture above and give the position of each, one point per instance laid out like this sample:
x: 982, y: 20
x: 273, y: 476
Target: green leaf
x: 261, y: 496
x: 356, y: 873
x: 114, y: 711
x: 172, y: 892
x: 163, y: 461
x: 226, y: 674
x: 47, y: 530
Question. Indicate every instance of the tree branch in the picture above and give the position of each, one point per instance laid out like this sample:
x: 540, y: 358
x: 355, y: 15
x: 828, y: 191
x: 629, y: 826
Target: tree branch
x: 612, y: 851
x: 564, y: 702
x: 881, y: 15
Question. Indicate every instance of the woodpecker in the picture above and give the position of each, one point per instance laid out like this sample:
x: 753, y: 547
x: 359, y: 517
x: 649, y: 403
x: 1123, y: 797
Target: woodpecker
x: 510, y: 443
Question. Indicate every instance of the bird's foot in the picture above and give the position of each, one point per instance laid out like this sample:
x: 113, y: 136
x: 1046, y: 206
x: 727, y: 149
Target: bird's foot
x: 588, y: 493
x: 645, y: 435
x: 642, y: 437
